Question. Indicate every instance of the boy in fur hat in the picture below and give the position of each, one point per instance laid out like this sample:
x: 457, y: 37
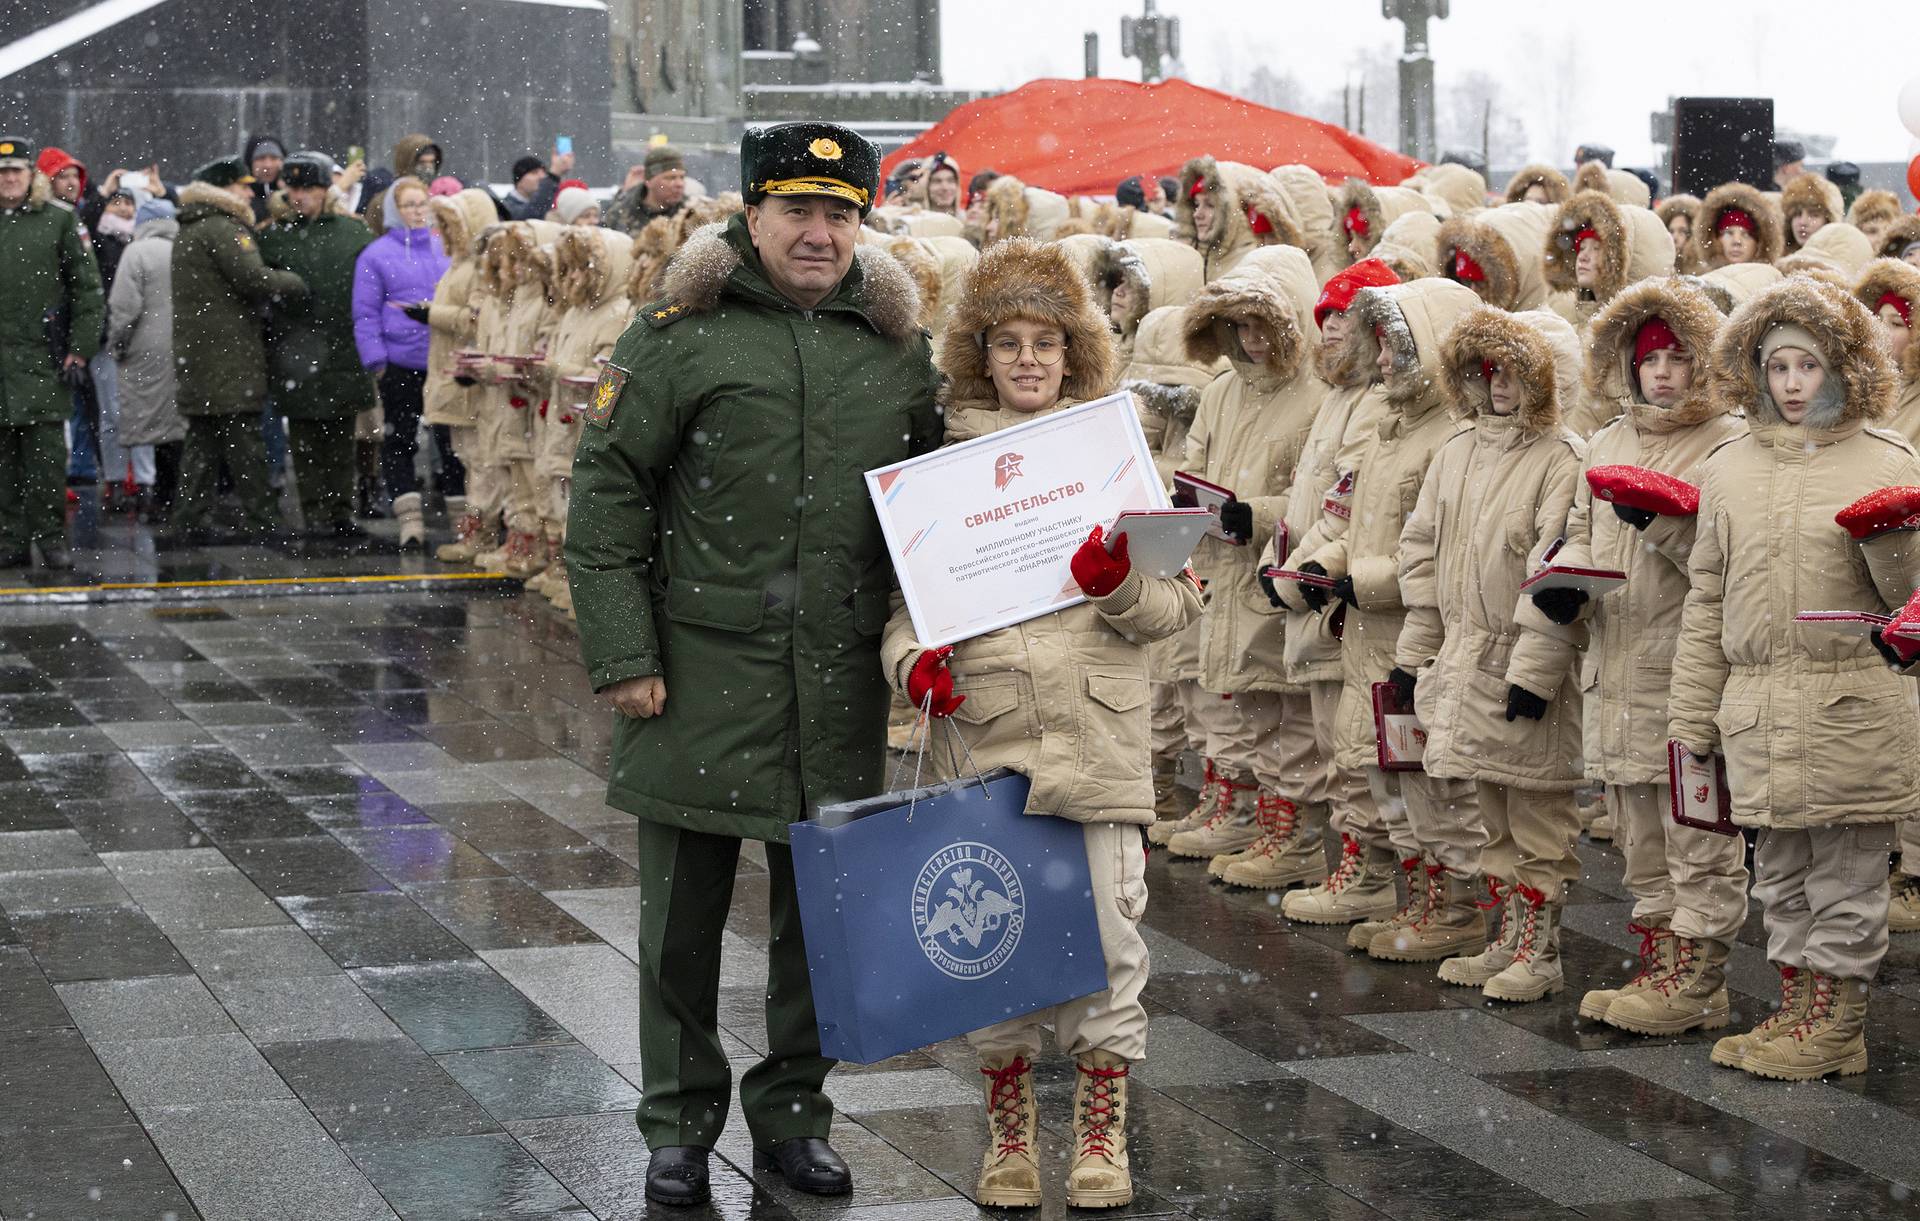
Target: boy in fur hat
x: 1647, y: 355
x: 1873, y: 211
x: 1821, y: 740
x: 1265, y: 831
x: 1026, y: 340
x: 1501, y: 709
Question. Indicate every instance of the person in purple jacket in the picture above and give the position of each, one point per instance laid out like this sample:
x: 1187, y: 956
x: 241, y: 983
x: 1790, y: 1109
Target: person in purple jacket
x: 393, y: 284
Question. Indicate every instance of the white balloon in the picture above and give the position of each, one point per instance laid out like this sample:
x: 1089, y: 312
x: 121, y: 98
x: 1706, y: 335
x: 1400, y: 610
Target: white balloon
x: 1910, y: 105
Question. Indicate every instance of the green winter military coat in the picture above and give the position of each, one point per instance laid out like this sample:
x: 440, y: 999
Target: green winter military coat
x: 313, y: 368
x: 221, y: 289
x: 46, y: 262
x: 720, y: 535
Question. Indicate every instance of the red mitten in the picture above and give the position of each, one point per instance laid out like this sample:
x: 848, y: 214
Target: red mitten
x: 1097, y: 571
x: 1636, y: 487
x: 1879, y: 512
x: 1908, y: 620
x: 930, y: 676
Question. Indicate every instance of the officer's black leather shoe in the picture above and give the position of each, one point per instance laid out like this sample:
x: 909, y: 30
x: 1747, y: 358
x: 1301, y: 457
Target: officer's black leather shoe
x: 807, y: 1163
x: 677, y: 1174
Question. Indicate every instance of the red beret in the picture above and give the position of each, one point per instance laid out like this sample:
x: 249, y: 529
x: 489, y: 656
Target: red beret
x: 1342, y: 288
x: 1879, y: 512
x: 1636, y: 487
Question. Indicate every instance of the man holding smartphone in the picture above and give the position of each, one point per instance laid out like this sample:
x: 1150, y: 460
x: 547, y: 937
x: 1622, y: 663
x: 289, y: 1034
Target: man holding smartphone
x: 536, y: 183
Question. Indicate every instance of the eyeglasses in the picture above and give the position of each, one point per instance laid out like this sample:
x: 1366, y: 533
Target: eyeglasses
x: 1006, y: 350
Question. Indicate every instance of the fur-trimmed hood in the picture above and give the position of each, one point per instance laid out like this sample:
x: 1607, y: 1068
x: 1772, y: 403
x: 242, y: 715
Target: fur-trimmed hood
x: 1312, y: 209
x: 957, y: 256
x: 1413, y: 321
x: 1231, y: 235
x: 1884, y: 276
x: 660, y: 237
x: 1683, y: 306
x: 1845, y: 332
x: 1262, y: 196
x: 407, y: 150
x: 591, y: 265
x: 462, y: 218
x: 1015, y: 209
x: 1617, y: 185
x: 1897, y: 236
x: 1633, y: 242
x: 1685, y: 255
x: 1160, y: 272
x: 1160, y: 355
x: 1808, y: 193
x: 1379, y: 207
x: 1754, y: 203
x: 1274, y: 285
x: 1558, y: 189
x: 1874, y: 209
x: 1506, y: 242
x: 882, y: 291
x: 1021, y: 278
x: 920, y: 262
x: 1838, y: 248
x: 1517, y: 343
x: 1461, y: 189
x: 1408, y: 246
x: 198, y: 198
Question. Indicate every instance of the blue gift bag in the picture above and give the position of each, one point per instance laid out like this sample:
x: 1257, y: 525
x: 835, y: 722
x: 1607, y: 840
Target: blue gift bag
x: 939, y: 911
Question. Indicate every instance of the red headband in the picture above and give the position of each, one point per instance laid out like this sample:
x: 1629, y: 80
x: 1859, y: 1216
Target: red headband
x: 1583, y: 235
x: 1736, y: 218
x: 1898, y: 302
x: 1357, y: 222
x: 1488, y: 368
x: 1654, y: 335
x: 1259, y: 221
x: 1466, y: 270
x: 1199, y: 185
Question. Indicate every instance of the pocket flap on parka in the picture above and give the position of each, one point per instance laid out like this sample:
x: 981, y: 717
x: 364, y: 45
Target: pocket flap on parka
x: 727, y: 607
x: 1120, y: 692
x: 986, y: 702
x: 1736, y: 718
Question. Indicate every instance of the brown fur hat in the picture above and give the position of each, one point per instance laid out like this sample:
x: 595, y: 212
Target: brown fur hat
x: 507, y: 248
x: 1766, y: 218
x: 1022, y: 278
x: 1884, y: 276
x: 1848, y: 343
x: 1255, y: 289
x: 1872, y: 208
x: 1559, y: 190
x: 1488, y: 334
x: 1684, y: 307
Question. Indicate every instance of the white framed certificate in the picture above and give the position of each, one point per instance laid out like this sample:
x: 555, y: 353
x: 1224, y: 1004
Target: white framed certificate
x: 981, y: 533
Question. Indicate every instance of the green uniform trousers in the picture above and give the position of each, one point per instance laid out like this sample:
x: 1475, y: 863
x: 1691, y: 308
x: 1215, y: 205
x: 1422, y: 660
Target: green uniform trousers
x: 33, y: 467
x: 686, y: 887
x: 323, y: 466
x: 234, y: 439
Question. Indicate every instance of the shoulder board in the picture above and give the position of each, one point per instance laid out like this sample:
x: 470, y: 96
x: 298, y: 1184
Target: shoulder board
x: 664, y: 313
x: 1891, y: 437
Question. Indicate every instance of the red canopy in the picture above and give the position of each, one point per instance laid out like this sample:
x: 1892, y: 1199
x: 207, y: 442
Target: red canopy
x: 1082, y: 137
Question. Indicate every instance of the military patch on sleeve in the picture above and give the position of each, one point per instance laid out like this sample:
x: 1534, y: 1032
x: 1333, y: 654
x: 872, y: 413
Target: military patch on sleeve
x: 606, y: 395
x: 246, y: 242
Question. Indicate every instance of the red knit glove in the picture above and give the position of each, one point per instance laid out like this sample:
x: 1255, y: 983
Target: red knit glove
x: 1636, y: 487
x: 1905, y: 649
x: 1096, y: 571
x: 1878, y: 512
x: 930, y: 676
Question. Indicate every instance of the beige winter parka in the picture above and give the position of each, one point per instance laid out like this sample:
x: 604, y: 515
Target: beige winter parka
x: 1494, y: 500
x: 1306, y: 193
x: 592, y: 266
x: 1061, y: 699
x: 1619, y: 185
x: 1548, y: 179
x: 1506, y: 242
x: 1816, y: 730
x: 1248, y: 435
x: 452, y: 316
x: 1632, y: 632
x: 1881, y: 277
x: 1838, y: 249
x: 1460, y: 190
x: 1158, y: 273
x: 1232, y: 187
x: 1634, y: 246
x: 1409, y: 246
x: 1388, y: 466
x: 1377, y: 207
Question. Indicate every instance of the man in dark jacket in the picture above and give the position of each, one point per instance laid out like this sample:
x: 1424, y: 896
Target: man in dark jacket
x: 721, y: 547
x: 315, y: 372
x: 263, y: 156
x: 49, y: 272
x: 534, y: 186
x: 220, y: 288
x: 661, y: 191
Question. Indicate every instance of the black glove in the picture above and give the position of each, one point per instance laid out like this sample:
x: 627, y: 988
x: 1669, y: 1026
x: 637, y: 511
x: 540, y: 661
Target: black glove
x: 1639, y: 519
x: 1236, y: 518
x: 1403, y: 684
x: 1314, y: 596
x: 1886, y: 650
x: 417, y: 311
x: 1560, y: 605
x: 1266, y: 585
x: 1343, y: 590
x: 73, y: 377
x: 458, y: 380
x: 1524, y: 703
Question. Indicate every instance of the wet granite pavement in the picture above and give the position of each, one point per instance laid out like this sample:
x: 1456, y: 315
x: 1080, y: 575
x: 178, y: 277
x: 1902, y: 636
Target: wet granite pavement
x: 310, y: 908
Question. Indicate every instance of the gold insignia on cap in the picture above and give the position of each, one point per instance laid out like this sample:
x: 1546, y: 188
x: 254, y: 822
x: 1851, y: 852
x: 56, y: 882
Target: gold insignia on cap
x: 6, y: 148
x: 817, y: 186
x: 825, y: 149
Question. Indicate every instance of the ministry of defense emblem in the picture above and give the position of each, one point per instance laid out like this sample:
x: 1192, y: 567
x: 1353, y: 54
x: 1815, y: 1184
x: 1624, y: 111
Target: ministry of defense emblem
x: 969, y: 910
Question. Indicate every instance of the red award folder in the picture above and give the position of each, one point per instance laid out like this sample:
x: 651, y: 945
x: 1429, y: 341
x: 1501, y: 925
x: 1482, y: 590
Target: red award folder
x: 1190, y: 490
x: 1700, y: 795
x: 1594, y: 581
x: 1402, y: 740
x: 1858, y: 623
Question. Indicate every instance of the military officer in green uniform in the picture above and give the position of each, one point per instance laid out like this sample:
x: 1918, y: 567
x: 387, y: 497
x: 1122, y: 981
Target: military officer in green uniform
x: 220, y: 288
x: 731, y: 583
x: 313, y: 367
x: 47, y: 267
